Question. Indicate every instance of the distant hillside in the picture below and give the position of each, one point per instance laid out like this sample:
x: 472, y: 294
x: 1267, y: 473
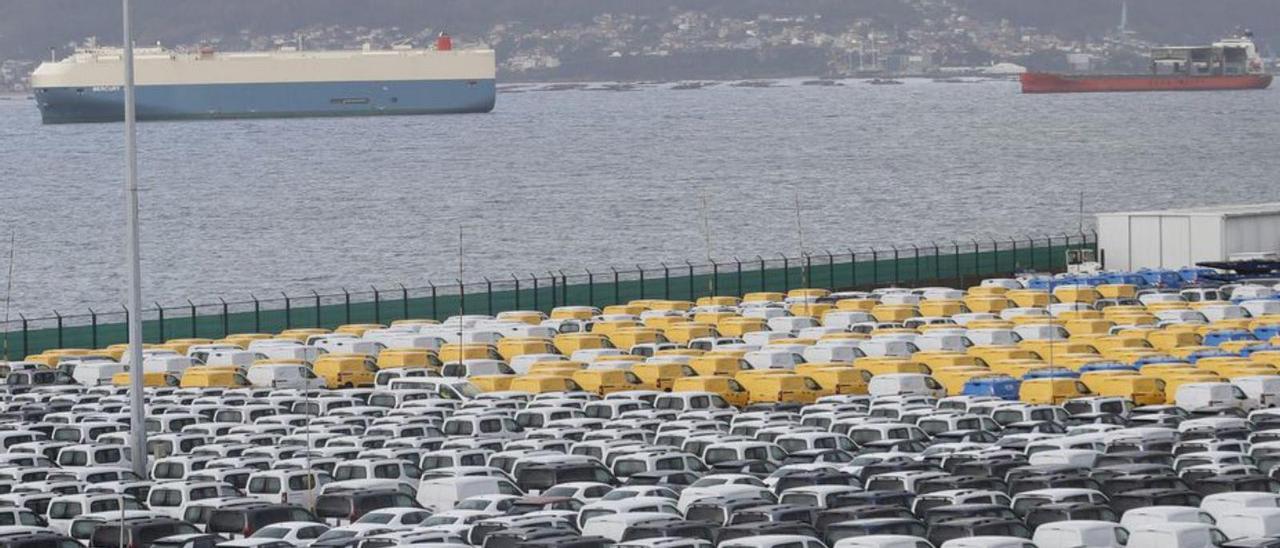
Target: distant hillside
x: 1165, y: 21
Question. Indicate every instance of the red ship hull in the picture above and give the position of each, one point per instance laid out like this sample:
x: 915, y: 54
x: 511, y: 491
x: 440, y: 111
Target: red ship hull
x: 1040, y: 82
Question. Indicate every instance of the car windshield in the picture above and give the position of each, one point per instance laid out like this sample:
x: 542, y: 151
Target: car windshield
x: 271, y: 532
x: 442, y: 520
x: 335, y: 534
x: 376, y: 517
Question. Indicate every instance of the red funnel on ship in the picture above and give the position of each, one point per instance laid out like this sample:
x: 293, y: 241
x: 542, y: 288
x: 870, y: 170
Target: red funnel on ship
x: 444, y: 42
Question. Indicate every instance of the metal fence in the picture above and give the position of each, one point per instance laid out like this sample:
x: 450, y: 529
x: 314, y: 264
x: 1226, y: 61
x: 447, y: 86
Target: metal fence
x: 952, y: 263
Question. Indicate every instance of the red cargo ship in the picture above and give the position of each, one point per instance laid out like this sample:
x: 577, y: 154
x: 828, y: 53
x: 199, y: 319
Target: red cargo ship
x: 1231, y: 64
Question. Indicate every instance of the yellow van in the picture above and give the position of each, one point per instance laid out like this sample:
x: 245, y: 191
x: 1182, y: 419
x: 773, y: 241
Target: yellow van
x: 182, y: 345
x: 1029, y: 298
x: 213, y: 377
x: 396, y: 358
x: 942, y: 308
x: 608, y: 327
x: 607, y: 381
x: 708, y: 365
x: 682, y: 332
x: 764, y: 297
x: 1083, y: 326
x: 454, y: 352
x: 1016, y: 367
x: 155, y: 379
x: 301, y: 334
x: 936, y: 360
x: 988, y: 291
x: 346, y: 370
x: 887, y: 366
x: 541, y: 384
x: 243, y: 339
x: 812, y: 310
x: 1166, y: 340
x: 721, y: 300
x: 661, y: 375
x: 737, y: 326
x: 1118, y: 291
x: 1141, y: 389
x: 989, y: 304
x: 358, y: 329
x: 51, y: 357
x: 1054, y: 391
x: 727, y: 387
x: 895, y: 313
x: 712, y: 317
x: 573, y: 313
x: 510, y: 347
x: 1076, y: 294
x: 530, y: 317
x: 991, y: 354
x: 117, y: 351
x: 632, y: 336
x: 537, y: 368
x: 839, y: 379
x: 492, y: 383
x: 857, y: 305
x: 780, y: 388
x: 568, y: 343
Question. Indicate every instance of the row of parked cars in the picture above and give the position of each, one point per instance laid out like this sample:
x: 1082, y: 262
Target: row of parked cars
x: 802, y: 420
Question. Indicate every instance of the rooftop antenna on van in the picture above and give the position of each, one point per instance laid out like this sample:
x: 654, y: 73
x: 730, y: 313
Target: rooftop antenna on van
x: 8, y: 291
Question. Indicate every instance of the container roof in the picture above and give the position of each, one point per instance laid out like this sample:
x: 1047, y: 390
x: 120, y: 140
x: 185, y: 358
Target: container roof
x: 1238, y: 210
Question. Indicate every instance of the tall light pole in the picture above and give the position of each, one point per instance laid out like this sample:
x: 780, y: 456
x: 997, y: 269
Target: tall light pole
x: 137, y: 424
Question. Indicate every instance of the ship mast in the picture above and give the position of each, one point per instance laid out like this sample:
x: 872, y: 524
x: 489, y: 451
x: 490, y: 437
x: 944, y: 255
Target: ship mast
x: 138, y: 430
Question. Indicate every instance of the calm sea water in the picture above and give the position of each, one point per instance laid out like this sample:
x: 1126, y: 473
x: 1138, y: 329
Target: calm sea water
x: 572, y: 179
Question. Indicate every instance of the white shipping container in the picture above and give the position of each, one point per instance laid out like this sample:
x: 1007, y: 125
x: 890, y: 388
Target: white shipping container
x: 1183, y: 237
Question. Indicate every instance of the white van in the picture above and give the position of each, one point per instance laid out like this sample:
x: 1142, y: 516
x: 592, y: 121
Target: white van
x: 1250, y: 522
x: 96, y: 373
x: 1198, y: 395
x: 284, y: 376
x: 277, y: 349
x: 1081, y: 458
x: 238, y: 358
x: 293, y: 486
x: 1075, y: 533
x: 988, y: 542
x: 1262, y: 390
x: 883, y: 541
x: 773, y: 358
x: 1221, y: 504
x: 1158, y: 515
x: 472, y: 368
x: 169, y: 363
x: 443, y: 494
x: 910, y: 384
x: 1176, y: 535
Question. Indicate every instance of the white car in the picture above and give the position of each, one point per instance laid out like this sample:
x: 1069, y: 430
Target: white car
x: 298, y: 533
x: 395, y: 517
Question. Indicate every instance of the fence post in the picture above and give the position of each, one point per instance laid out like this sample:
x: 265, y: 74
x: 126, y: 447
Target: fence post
x: 715, y: 278
x: 404, y: 301
x: 377, y: 305
x: 160, y: 317
x: 517, y: 282
x: 535, y: 292
x: 1015, y: 252
x: 193, y: 318
x: 897, y: 275
x: 831, y: 270
x: 553, y: 288
x: 126, y: 318
x: 346, y: 306
x: 26, y: 348
x: 257, y: 316
x: 616, y: 282
x: 666, y: 282
x: 738, y: 282
x: 692, y: 297
x: 875, y: 266
x: 317, y: 306
x: 786, y: 273
x: 853, y: 266
x: 591, y: 287
x: 60, y: 344
x: 761, y: 259
x: 488, y: 289
x: 937, y: 261
x: 226, y: 321
x: 288, y: 311
x: 434, y: 316
x: 995, y: 255
x: 916, y: 259
x: 641, y: 269
x: 564, y: 289
x: 959, y: 275
x: 976, y: 251
x: 1031, y: 248
x: 93, y: 319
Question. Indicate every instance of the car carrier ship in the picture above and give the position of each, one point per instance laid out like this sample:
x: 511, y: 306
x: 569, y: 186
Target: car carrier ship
x: 207, y: 84
x: 1229, y: 64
